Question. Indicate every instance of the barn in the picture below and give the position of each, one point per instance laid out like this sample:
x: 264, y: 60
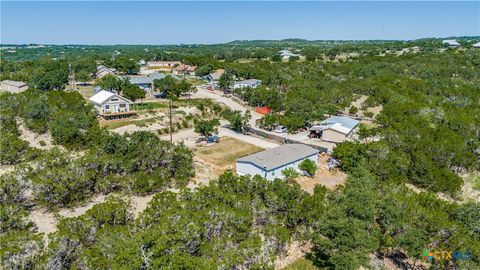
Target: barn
x: 270, y: 163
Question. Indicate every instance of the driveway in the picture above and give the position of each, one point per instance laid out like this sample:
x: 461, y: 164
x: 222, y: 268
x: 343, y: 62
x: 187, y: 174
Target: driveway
x: 234, y: 105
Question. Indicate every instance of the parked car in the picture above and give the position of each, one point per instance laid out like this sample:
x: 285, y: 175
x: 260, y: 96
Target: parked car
x: 160, y: 95
x: 213, y: 139
x: 281, y: 129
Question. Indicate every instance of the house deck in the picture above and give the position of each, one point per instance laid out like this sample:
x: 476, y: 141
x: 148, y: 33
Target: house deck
x: 118, y: 115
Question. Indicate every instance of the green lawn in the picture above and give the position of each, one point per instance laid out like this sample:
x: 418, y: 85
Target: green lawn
x: 149, y: 106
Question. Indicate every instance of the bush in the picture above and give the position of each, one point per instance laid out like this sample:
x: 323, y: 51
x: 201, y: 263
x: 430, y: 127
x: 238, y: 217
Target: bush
x: 368, y: 114
x: 13, y: 149
x: 353, y: 110
x: 309, y: 166
x: 290, y: 174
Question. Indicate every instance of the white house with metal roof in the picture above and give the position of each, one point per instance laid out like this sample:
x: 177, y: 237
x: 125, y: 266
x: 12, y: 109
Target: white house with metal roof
x: 336, y: 128
x: 451, y: 43
x: 13, y: 86
x: 270, y: 163
x: 109, y: 104
x: 252, y: 83
x: 476, y: 45
x: 286, y: 54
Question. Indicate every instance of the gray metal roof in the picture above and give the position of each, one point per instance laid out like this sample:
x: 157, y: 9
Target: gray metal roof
x: 159, y: 76
x: 345, y: 121
x: 14, y: 83
x: 140, y: 80
x: 156, y: 76
x: 249, y: 81
x: 279, y: 156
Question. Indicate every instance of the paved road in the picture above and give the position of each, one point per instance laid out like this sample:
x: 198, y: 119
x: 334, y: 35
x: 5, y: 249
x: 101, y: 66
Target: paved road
x: 234, y: 105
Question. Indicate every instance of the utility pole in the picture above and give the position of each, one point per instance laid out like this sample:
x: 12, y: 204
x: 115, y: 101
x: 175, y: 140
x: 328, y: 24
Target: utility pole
x: 170, y: 109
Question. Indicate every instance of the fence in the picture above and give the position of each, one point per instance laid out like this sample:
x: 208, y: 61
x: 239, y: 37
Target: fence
x: 281, y: 139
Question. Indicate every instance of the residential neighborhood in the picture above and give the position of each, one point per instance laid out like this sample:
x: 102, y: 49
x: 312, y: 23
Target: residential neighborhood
x: 240, y: 135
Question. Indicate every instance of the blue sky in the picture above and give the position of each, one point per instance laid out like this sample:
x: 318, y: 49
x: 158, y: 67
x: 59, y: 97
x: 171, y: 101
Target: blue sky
x: 215, y: 22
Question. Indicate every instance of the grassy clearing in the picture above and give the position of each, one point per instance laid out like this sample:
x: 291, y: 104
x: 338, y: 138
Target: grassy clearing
x: 223, y: 154
x: 301, y: 264
x: 474, y: 180
x: 149, y: 106
x: 86, y: 91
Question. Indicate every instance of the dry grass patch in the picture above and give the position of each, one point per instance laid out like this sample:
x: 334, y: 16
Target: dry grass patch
x: 222, y: 155
x: 86, y: 91
x: 331, y: 179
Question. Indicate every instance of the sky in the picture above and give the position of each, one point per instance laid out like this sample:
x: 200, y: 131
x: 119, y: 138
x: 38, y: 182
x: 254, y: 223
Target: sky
x: 159, y: 23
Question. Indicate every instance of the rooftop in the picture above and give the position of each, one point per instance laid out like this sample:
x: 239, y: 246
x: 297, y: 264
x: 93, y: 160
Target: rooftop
x: 341, y: 124
x: 140, y: 80
x: 249, y: 81
x: 102, y: 96
x: 451, y: 42
x: 14, y: 83
x: 217, y: 74
x: 279, y: 156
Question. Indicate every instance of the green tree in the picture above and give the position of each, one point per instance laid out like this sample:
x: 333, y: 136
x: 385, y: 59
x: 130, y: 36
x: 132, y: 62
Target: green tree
x: 238, y: 122
x: 290, y: 174
x: 225, y: 80
x: 133, y: 92
x: 110, y: 83
x: 206, y: 127
x: 309, y: 166
x: 353, y: 110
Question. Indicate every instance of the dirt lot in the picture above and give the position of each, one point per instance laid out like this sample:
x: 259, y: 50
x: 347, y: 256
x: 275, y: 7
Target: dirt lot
x: 358, y: 103
x: 40, y: 141
x: 222, y: 155
x: 330, y: 179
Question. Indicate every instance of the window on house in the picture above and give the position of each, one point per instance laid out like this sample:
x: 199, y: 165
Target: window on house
x: 107, y: 107
x: 123, y: 105
x: 114, y: 99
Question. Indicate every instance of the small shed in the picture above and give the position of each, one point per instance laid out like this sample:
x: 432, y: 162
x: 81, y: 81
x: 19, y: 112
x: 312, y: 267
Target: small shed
x: 13, y: 86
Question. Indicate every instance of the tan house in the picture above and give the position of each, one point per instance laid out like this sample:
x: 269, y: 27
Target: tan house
x: 184, y: 70
x: 214, y: 76
x: 13, y: 86
x: 110, y: 105
x: 335, y: 129
x: 167, y: 65
x: 103, y: 71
